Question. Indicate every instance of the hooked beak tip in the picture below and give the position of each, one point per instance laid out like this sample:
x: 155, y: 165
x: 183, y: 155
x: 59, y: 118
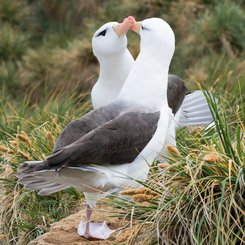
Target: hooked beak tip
x: 123, y: 27
x: 136, y: 27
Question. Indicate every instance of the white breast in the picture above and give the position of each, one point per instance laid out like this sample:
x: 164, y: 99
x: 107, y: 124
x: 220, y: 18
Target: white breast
x: 101, y: 95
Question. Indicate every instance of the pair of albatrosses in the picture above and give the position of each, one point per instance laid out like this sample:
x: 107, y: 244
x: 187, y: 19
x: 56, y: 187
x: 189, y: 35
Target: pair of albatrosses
x: 110, y: 48
x: 97, y: 152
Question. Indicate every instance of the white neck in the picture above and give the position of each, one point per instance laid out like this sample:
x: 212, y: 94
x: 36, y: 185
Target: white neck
x: 115, y: 69
x: 147, y: 82
x: 113, y: 73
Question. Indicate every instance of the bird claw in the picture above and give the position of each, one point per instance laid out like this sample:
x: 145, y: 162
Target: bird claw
x: 96, y: 230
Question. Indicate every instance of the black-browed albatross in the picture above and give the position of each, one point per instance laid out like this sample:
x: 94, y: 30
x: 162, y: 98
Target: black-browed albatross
x: 119, y: 139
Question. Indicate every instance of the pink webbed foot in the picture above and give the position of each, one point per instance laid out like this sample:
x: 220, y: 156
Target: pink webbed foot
x: 94, y: 230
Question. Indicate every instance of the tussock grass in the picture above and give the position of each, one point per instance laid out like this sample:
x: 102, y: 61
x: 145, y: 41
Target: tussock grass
x: 223, y: 34
x: 7, y: 75
x: 12, y: 43
x: 15, y: 12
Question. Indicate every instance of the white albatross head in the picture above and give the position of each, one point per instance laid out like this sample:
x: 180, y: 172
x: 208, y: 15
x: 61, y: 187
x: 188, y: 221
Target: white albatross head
x: 110, y: 47
x: 158, y: 34
x: 110, y: 39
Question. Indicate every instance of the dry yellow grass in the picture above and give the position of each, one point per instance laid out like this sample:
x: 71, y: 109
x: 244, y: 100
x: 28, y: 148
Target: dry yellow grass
x: 3, y: 149
x: 163, y: 165
x: 25, y: 155
x: 143, y: 197
x: 212, y: 157
x: 14, y: 143
x: 142, y: 190
x: 24, y: 138
x: 172, y: 150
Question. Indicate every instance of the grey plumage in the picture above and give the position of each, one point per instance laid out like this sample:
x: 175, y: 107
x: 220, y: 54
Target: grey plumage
x: 176, y: 92
x: 117, y: 141
x: 78, y: 128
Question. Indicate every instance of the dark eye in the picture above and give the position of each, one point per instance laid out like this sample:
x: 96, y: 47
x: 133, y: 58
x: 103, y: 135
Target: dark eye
x: 144, y: 28
x: 102, y: 33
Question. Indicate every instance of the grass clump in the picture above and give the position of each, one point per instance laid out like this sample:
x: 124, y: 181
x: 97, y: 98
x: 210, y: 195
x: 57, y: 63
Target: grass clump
x: 221, y: 33
x: 15, y: 12
x: 12, y: 43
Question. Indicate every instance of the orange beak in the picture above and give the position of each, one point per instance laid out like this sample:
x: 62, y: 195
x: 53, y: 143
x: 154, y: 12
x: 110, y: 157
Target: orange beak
x: 123, y: 27
x: 136, y: 27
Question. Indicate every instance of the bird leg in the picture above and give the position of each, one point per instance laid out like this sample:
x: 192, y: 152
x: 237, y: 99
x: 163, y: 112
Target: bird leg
x: 89, y: 230
x: 89, y: 212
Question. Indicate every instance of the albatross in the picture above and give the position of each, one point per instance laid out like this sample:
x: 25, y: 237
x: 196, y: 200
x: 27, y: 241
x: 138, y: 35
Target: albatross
x: 116, y: 140
x: 189, y: 109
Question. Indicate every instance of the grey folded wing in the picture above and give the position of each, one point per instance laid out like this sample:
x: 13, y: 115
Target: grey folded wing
x: 78, y: 128
x: 118, y: 141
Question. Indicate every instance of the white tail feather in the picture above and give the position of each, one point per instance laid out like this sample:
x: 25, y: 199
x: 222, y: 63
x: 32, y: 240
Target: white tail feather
x: 50, y: 181
x: 198, y: 121
x: 195, y: 107
x: 196, y: 95
x: 194, y: 111
x: 202, y: 113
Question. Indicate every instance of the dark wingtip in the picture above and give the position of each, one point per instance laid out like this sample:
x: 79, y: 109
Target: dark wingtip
x: 30, y: 166
x: 23, y: 168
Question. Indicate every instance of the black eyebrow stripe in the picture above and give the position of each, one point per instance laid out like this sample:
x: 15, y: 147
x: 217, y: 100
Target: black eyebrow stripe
x: 102, y: 33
